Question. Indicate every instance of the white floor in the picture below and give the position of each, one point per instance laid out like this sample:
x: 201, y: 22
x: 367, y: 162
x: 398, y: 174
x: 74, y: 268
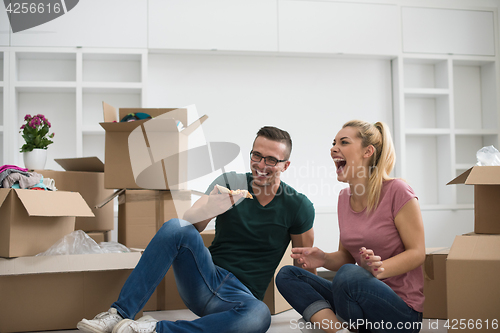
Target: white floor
x: 281, y: 323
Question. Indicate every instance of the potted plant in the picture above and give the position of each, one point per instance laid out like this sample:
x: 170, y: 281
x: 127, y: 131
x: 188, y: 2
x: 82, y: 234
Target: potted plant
x: 35, y: 132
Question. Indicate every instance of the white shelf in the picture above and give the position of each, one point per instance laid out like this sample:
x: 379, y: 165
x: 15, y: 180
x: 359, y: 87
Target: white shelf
x: 469, y: 131
x: 448, y: 207
x: 426, y: 92
x: 112, y: 87
x: 427, y: 131
x: 45, y: 87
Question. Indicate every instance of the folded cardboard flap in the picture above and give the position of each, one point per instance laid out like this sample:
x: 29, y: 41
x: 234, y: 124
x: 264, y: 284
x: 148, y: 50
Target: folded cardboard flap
x: 69, y: 263
x: 87, y: 164
x: 122, y: 127
x: 4, y: 192
x: 110, y: 114
x: 429, y: 260
x: 56, y: 203
x: 479, y: 175
x: 151, y: 195
x: 111, y: 197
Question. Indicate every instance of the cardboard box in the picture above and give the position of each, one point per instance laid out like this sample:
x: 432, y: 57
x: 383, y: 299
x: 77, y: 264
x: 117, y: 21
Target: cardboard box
x: 56, y: 292
x: 486, y: 181
x: 435, y: 283
x: 169, y: 298
x: 32, y: 221
x: 86, y: 176
x: 473, y: 291
x: 146, y: 154
x: 273, y: 298
x: 141, y: 213
x: 100, y: 236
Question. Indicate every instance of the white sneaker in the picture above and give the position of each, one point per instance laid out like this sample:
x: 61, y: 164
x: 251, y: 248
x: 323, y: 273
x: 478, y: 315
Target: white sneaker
x: 102, y: 323
x: 146, y: 324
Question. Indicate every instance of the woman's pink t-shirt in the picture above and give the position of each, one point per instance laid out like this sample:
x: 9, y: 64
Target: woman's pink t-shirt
x: 377, y: 231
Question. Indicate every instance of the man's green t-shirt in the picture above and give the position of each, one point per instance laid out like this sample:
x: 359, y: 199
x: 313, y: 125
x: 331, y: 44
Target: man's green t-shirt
x: 250, y: 239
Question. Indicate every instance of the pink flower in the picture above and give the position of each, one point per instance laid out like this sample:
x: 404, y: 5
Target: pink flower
x: 27, y: 117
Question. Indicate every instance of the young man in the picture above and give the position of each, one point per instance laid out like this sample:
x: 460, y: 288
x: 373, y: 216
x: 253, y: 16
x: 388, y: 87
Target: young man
x: 224, y: 284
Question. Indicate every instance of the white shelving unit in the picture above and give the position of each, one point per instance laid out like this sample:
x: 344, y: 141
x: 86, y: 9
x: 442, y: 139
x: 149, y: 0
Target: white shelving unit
x: 68, y: 86
x: 445, y: 110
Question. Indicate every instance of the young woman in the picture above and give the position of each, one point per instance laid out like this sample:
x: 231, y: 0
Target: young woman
x: 378, y: 285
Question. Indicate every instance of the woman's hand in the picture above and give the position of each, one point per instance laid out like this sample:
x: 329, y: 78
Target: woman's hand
x: 370, y: 262
x: 309, y: 257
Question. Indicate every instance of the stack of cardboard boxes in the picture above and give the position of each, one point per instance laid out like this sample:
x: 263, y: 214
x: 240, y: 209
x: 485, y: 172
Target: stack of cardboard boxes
x: 148, y: 161
x: 473, y: 264
x: 461, y: 282
x: 54, y: 293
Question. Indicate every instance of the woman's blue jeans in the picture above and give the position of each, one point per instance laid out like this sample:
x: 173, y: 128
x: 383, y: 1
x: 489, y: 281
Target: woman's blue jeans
x: 221, y: 301
x: 355, y: 295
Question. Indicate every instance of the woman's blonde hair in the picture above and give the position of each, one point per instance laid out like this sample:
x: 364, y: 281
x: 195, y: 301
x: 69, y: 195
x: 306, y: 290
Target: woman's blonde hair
x: 383, y: 159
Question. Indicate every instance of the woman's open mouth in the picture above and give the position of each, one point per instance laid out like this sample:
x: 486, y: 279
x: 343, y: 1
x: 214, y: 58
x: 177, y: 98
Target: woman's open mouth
x: 340, y: 164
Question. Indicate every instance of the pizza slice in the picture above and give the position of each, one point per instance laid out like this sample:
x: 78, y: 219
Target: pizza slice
x: 225, y: 190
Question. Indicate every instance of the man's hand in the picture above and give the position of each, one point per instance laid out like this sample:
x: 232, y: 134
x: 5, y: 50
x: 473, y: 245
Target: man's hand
x: 219, y: 203
x: 309, y: 257
x: 370, y: 262
x: 209, y: 206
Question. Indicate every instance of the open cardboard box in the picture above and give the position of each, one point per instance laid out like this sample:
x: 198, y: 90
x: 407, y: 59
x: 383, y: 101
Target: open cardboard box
x: 32, y: 221
x: 147, y: 154
x: 56, y: 292
x: 473, y: 291
x: 435, y: 282
x: 86, y: 176
x: 486, y: 181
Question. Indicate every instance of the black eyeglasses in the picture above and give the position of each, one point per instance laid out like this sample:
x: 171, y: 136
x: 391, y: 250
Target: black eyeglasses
x: 268, y: 160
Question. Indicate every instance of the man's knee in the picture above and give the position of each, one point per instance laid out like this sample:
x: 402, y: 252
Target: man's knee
x: 257, y: 318
x: 176, y: 228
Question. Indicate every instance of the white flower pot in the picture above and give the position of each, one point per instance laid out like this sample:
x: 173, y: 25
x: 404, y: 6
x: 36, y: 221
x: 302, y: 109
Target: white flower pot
x: 35, y: 159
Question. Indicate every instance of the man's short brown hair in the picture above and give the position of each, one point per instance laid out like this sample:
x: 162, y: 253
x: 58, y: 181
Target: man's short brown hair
x: 276, y: 134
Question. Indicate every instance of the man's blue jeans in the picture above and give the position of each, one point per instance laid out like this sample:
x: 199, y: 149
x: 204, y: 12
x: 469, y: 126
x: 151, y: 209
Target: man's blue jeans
x: 355, y: 295
x: 211, y: 292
